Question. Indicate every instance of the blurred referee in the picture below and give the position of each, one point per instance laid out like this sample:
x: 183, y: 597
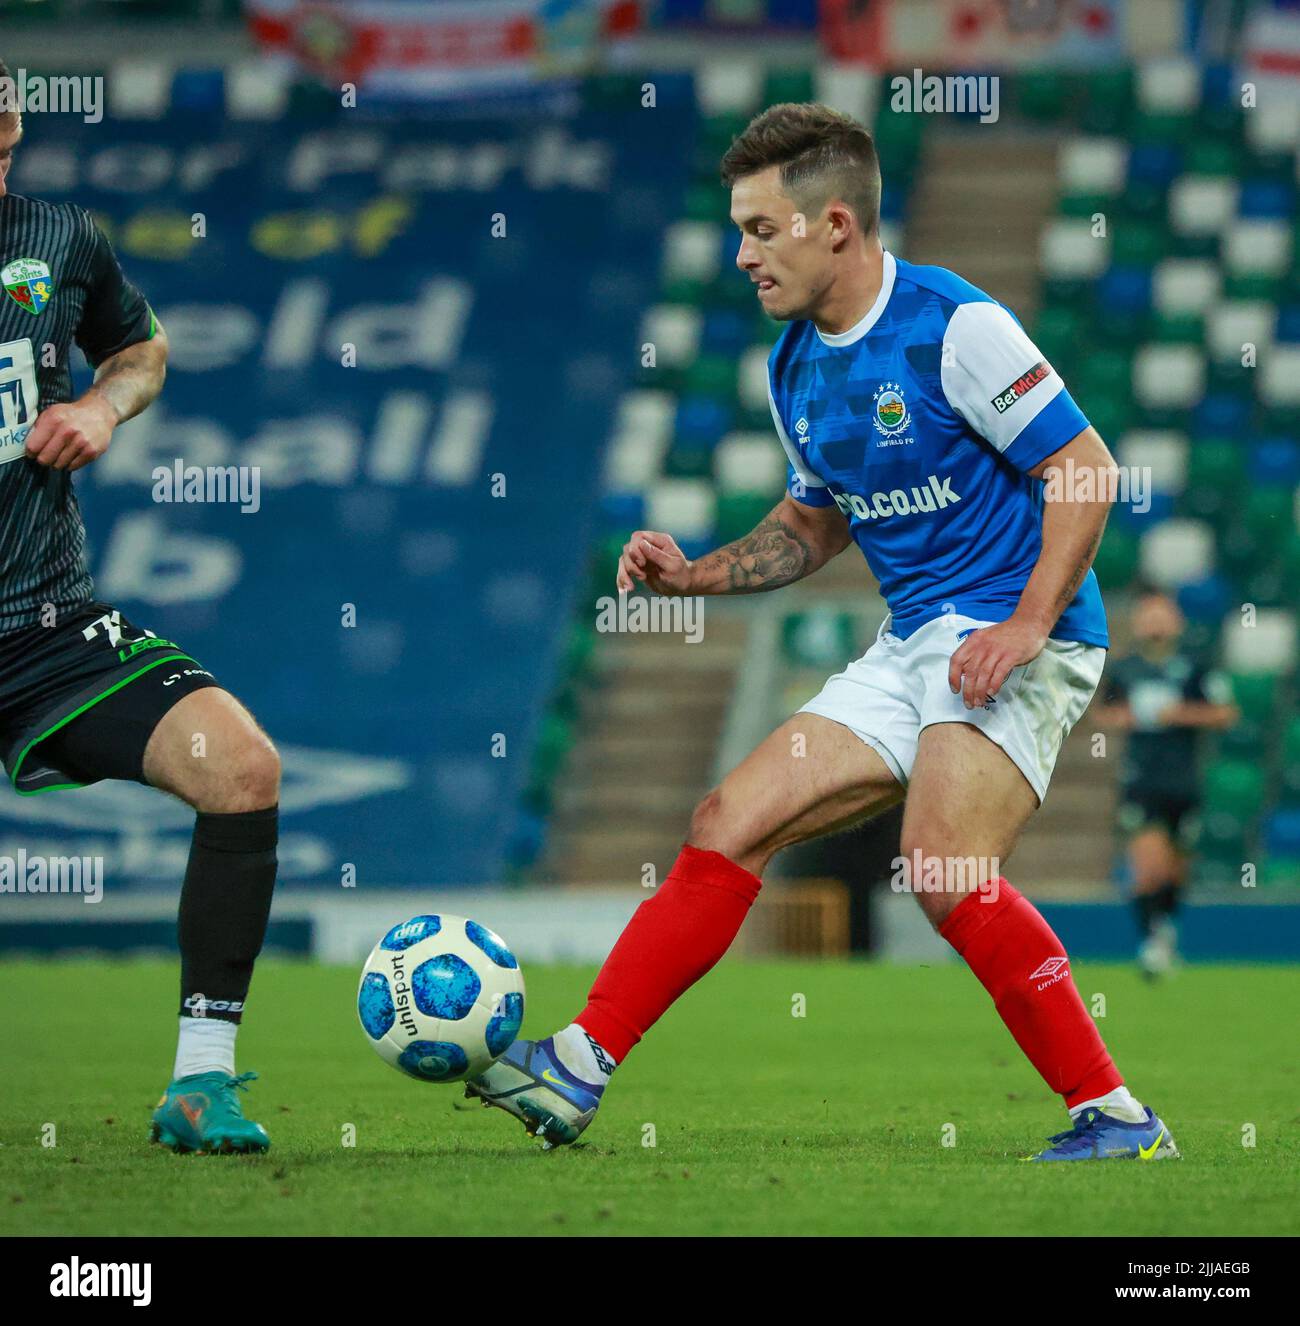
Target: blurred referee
x: 84, y: 693
x: 1164, y: 697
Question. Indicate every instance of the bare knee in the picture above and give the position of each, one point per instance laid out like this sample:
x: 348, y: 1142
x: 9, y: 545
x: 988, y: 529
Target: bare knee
x: 715, y: 827
x: 706, y: 821
x: 248, y: 778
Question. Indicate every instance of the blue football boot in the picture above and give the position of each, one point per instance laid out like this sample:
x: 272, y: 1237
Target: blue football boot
x: 1097, y: 1136
x: 531, y: 1083
x: 202, y: 1113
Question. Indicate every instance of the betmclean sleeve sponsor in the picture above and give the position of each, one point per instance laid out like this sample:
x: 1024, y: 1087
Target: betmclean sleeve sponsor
x: 801, y: 483
x: 996, y: 378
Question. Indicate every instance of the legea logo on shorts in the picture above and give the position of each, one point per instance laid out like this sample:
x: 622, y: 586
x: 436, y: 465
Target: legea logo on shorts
x: 933, y: 495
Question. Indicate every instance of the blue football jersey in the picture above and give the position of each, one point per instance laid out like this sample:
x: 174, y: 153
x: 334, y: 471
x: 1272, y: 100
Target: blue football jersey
x: 920, y: 423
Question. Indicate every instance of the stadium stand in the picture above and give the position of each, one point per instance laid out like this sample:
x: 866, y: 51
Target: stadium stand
x: 344, y: 271
x: 1171, y: 258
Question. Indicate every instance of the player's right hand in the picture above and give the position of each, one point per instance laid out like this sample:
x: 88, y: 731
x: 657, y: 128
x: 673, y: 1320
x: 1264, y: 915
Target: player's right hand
x: 655, y: 560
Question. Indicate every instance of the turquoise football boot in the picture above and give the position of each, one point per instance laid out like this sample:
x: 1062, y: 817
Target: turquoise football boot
x: 202, y: 1113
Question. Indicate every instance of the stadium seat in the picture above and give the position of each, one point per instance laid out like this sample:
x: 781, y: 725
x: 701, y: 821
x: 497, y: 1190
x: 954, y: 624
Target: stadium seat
x: 1176, y: 552
x: 1043, y: 94
x: 1186, y: 285
x: 1168, y: 85
x: 819, y: 638
x: 1107, y: 99
x: 752, y: 382
x: 848, y: 88
x: 1202, y: 204
x: 1070, y: 252
x: 1092, y: 167
x: 685, y: 506
x: 691, y: 252
x: 1161, y: 453
x: 1268, y: 646
x: 728, y: 91
x: 750, y: 463
x: 740, y: 512
x: 1168, y: 377
x: 1233, y: 324
x: 1117, y: 558
x: 674, y: 332
x: 787, y: 85
x: 1216, y: 478
x: 1279, y: 376
x: 1235, y: 789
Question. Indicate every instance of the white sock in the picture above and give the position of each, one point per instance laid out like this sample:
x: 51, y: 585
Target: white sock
x: 583, y: 1056
x: 205, y: 1045
x: 1119, y: 1104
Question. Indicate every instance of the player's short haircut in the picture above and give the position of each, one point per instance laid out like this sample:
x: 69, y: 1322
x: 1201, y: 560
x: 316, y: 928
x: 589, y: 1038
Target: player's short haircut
x: 8, y: 113
x: 823, y: 154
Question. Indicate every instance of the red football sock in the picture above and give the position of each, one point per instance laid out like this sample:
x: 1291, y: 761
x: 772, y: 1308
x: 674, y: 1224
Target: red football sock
x: 1023, y: 965
x: 673, y: 938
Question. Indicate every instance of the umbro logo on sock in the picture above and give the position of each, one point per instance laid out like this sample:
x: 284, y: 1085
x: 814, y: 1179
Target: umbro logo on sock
x: 603, y: 1061
x: 1053, y: 970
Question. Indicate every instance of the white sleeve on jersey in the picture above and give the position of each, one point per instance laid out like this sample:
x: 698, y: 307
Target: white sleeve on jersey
x: 993, y: 375
x: 797, y: 463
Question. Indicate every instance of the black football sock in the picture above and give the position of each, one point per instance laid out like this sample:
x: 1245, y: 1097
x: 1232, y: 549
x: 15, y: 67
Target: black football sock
x: 225, y: 905
x: 1145, y: 908
x: 1168, y: 896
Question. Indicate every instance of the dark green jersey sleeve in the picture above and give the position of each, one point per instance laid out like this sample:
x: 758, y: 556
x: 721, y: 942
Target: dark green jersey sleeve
x: 116, y: 314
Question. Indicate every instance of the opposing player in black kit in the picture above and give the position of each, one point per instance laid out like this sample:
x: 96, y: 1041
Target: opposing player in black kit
x: 85, y: 694
x: 1165, y: 697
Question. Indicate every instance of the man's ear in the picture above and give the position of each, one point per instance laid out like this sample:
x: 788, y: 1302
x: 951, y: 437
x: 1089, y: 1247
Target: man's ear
x: 842, y: 223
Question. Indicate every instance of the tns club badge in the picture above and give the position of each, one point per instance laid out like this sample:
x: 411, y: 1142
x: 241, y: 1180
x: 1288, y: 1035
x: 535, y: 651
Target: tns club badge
x: 28, y: 283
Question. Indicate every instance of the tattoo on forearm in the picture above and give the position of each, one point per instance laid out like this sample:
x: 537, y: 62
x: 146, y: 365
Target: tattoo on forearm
x: 1071, y: 587
x: 772, y: 555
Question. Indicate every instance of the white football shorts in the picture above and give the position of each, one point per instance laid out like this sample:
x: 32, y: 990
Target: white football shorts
x: 898, y: 687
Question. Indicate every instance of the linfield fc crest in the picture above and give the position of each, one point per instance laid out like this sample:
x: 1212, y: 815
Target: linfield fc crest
x: 892, y: 416
x: 27, y: 282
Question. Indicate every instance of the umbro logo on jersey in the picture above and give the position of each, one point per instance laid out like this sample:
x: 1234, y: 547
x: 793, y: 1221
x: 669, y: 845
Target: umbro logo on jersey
x: 1008, y: 396
x: 802, y: 429
x: 933, y: 495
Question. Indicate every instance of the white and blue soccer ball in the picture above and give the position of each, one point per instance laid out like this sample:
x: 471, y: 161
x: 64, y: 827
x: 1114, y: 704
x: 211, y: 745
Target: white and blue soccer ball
x: 441, y: 998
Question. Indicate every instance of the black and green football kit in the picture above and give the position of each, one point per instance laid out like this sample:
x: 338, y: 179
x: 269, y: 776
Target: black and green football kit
x: 63, y: 653
x: 1160, y: 780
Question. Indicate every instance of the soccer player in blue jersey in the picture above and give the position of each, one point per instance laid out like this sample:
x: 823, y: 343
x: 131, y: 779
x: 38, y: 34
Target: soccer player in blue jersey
x: 921, y: 423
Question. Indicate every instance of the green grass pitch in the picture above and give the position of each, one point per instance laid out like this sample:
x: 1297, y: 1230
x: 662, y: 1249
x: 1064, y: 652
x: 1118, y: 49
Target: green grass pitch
x: 761, y: 1122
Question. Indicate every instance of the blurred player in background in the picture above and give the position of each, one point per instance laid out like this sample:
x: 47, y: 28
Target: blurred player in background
x: 916, y: 417
x: 85, y: 694
x: 1163, y: 696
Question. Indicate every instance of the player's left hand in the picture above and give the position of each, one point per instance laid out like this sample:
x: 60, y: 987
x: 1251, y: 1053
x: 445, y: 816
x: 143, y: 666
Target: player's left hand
x: 983, y: 661
x: 66, y: 437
